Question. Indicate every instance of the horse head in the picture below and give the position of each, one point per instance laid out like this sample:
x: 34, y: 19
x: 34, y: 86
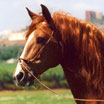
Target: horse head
x: 42, y: 48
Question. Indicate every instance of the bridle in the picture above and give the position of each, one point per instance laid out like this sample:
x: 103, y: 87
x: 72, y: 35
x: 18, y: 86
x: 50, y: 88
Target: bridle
x: 32, y: 61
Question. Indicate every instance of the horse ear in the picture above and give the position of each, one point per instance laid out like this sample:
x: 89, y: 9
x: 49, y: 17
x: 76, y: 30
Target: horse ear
x: 47, y: 15
x: 31, y: 14
x: 50, y: 21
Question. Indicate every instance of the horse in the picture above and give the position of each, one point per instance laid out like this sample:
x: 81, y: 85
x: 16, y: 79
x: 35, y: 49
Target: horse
x: 77, y: 45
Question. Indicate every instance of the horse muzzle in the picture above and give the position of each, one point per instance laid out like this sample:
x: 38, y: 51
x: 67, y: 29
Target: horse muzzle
x: 21, y: 77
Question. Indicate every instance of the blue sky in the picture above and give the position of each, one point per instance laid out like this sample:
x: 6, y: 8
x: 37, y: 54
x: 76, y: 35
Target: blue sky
x: 13, y: 14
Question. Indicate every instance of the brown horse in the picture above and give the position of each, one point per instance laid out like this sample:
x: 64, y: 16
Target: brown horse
x: 76, y: 45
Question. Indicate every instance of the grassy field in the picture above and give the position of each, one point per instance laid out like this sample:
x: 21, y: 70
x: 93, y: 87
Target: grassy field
x: 7, y: 67
x: 53, y: 78
x: 31, y: 97
x: 34, y: 97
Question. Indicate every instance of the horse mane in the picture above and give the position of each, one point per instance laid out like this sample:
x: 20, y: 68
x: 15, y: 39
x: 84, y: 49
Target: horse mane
x: 82, y: 41
x: 87, y: 41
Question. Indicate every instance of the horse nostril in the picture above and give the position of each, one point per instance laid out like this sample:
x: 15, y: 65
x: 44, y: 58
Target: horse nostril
x: 20, y: 76
x: 14, y: 78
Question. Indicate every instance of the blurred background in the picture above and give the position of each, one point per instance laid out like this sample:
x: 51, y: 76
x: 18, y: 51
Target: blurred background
x: 14, y: 21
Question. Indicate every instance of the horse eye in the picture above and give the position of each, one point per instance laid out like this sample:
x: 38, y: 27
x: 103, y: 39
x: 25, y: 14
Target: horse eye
x: 41, y: 40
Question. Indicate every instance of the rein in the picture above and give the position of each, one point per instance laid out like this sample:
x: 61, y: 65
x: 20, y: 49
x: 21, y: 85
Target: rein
x: 70, y: 98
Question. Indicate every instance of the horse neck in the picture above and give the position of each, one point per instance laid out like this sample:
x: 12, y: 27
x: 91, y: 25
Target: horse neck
x: 72, y: 66
x: 79, y: 86
x: 80, y: 89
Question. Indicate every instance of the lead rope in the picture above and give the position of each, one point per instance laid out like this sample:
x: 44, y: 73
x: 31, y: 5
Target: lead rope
x: 76, y: 99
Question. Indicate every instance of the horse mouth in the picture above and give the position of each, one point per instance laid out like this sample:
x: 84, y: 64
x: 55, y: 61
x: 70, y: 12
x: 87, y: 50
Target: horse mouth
x: 25, y: 83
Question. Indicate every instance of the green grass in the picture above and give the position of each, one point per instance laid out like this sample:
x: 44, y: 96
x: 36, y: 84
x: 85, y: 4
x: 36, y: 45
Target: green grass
x: 5, y: 67
x: 6, y: 72
x: 53, y: 78
x: 34, y: 97
x: 9, y: 68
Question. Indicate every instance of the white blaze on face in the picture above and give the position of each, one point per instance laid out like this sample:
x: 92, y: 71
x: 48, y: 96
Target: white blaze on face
x: 29, y: 39
x: 19, y: 68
